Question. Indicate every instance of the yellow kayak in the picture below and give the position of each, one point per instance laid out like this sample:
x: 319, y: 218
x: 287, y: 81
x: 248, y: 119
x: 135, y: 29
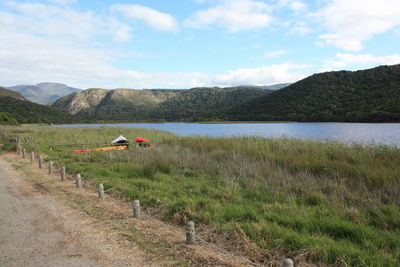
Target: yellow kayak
x: 100, y: 149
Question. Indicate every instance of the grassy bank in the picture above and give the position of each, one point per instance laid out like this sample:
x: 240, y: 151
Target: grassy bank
x: 326, y: 202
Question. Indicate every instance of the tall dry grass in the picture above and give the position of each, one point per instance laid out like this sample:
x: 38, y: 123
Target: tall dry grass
x: 331, y: 203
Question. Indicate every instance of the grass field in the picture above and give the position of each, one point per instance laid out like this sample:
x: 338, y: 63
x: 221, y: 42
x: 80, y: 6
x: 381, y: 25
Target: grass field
x: 324, y: 202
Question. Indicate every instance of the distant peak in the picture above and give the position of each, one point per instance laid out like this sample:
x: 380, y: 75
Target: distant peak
x: 50, y: 83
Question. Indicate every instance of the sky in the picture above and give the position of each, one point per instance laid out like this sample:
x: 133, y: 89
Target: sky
x: 192, y: 43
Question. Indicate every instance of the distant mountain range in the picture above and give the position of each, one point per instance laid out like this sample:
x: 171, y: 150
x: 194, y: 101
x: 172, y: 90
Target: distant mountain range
x: 44, y: 93
x: 371, y: 95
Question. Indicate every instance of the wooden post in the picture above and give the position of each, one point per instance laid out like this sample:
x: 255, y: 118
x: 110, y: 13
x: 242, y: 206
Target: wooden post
x: 101, y: 191
x: 190, y: 234
x: 287, y: 262
x: 63, y: 173
x: 32, y: 156
x: 50, y: 167
x: 18, y: 146
x: 136, y: 209
x: 78, y: 181
x: 40, y: 162
x: 23, y: 153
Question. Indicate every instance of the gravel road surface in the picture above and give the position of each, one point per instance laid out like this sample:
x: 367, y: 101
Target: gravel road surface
x: 37, y: 230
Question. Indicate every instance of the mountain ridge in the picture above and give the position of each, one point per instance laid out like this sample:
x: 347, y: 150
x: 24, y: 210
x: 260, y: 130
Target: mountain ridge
x: 153, y: 104
x: 7, y: 92
x: 45, y: 92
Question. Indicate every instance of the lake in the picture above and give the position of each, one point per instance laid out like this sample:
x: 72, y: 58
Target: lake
x: 361, y: 133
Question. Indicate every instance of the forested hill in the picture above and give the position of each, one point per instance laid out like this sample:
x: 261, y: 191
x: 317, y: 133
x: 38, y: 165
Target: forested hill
x: 206, y: 103
x: 10, y: 93
x: 28, y: 112
x: 156, y: 104
x: 371, y: 95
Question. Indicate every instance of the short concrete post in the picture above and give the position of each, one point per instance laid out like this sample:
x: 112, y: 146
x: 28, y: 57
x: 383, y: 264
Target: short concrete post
x: 50, y: 167
x: 32, y: 156
x: 101, y: 191
x: 287, y: 262
x: 63, y: 173
x: 136, y: 209
x: 190, y: 234
x: 40, y: 162
x: 78, y: 181
x: 23, y: 153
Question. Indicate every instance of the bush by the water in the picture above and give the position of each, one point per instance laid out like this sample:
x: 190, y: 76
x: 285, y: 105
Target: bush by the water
x: 7, y: 119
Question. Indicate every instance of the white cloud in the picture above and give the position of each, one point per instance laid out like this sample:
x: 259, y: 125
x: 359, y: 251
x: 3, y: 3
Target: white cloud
x: 350, y: 23
x: 40, y: 42
x: 265, y: 75
x: 153, y: 18
x: 300, y: 27
x: 61, y: 22
x: 233, y: 15
x: 36, y: 59
x: 62, y: 2
x: 343, y: 60
x: 274, y: 54
x: 297, y: 6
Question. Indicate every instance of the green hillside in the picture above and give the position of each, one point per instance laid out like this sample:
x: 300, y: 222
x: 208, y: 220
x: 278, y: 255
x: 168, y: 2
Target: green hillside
x: 157, y: 104
x: 28, y: 112
x: 371, y: 95
x: 206, y: 103
x: 10, y: 93
x: 125, y: 104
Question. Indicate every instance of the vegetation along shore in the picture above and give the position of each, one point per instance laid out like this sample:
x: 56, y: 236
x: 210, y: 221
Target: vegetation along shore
x: 317, y: 202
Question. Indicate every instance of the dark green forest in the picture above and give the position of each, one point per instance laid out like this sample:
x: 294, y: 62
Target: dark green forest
x: 371, y: 95
x: 200, y: 104
x: 7, y: 119
x: 28, y: 112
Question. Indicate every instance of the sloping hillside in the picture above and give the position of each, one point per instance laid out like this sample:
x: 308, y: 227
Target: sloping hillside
x: 206, y: 103
x: 156, y: 104
x: 28, y: 112
x: 81, y: 101
x: 371, y: 95
x: 5, y: 92
x: 119, y: 104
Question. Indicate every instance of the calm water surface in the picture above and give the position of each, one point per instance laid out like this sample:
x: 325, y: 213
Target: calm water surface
x: 361, y: 133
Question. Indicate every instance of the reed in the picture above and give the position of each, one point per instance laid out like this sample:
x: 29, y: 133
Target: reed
x: 329, y: 202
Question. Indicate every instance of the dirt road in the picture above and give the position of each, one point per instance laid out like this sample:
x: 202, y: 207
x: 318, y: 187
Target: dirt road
x: 48, y: 222
x: 37, y: 230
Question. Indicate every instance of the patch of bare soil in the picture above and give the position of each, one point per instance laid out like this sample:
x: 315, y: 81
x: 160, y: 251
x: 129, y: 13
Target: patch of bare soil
x: 76, y: 225
x: 36, y: 229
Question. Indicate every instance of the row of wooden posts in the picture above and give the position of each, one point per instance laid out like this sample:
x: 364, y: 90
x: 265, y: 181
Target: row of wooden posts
x: 189, y: 229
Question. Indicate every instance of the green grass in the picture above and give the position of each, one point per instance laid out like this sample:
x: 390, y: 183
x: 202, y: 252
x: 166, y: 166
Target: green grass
x: 336, y: 204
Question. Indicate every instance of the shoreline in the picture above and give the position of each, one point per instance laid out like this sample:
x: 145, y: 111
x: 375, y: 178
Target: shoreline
x: 214, y: 122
